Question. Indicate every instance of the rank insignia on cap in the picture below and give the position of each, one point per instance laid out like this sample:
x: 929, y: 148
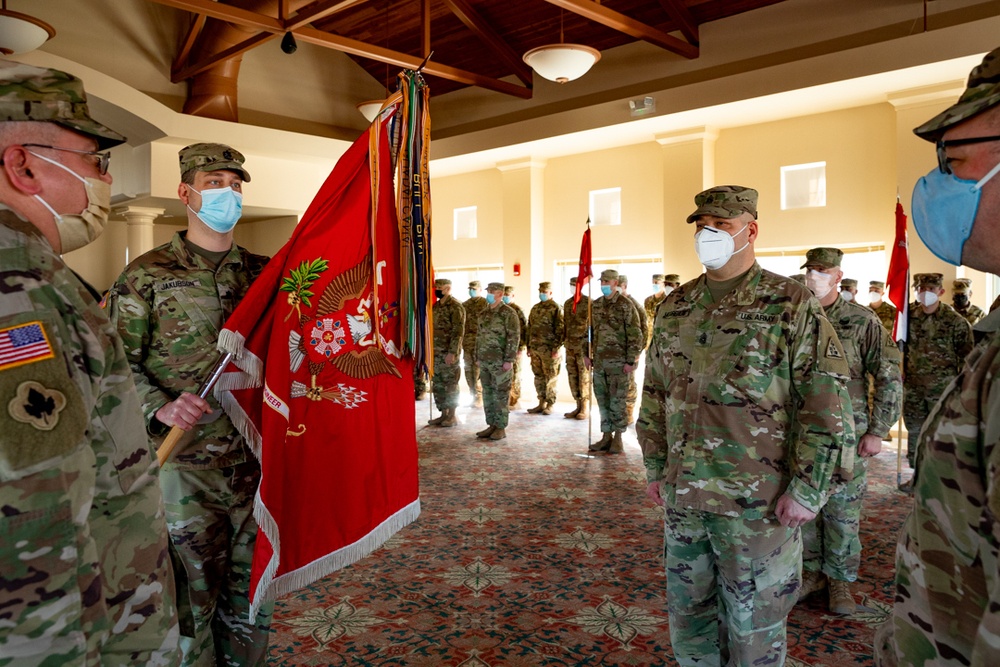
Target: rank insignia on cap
x: 37, y: 405
x: 24, y: 344
x: 832, y: 351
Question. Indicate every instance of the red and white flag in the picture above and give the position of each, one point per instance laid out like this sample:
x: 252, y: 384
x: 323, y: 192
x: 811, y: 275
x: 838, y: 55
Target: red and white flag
x: 898, y: 280
x: 585, y: 273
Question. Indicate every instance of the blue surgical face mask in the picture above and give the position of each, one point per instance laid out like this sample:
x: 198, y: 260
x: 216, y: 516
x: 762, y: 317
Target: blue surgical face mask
x: 944, y: 210
x: 490, y: 298
x: 506, y: 299
x: 543, y: 297
x: 221, y: 208
x: 472, y: 292
x: 606, y: 290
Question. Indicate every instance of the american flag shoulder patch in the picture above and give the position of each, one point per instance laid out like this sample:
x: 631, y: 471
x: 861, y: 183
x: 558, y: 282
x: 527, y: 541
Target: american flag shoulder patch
x: 24, y: 344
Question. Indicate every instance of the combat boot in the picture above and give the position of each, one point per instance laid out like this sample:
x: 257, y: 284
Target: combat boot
x: 812, y: 581
x: 437, y: 420
x: 574, y: 413
x: 485, y: 433
x: 602, y: 444
x: 547, y: 410
x: 841, y: 599
x: 616, y: 444
x: 449, y: 418
x: 583, y: 414
x: 498, y: 434
x: 538, y: 408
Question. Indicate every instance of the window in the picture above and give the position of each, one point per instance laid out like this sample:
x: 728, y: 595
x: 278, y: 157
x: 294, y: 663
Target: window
x: 803, y: 186
x: 606, y: 206
x: 465, y: 223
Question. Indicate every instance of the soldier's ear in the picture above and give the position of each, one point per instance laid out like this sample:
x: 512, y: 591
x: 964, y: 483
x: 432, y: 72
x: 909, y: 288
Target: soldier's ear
x: 15, y: 161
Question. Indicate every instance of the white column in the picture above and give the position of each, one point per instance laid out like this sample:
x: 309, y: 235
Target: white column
x: 139, y: 226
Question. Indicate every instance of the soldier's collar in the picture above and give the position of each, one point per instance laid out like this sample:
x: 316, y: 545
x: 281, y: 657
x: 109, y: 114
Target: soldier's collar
x: 190, y: 260
x: 745, y: 293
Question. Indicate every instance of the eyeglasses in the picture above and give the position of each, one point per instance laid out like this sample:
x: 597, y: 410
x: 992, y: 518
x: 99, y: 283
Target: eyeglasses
x: 103, y: 159
x: 942, y: 149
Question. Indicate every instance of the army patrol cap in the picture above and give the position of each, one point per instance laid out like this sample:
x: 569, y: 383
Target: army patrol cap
x: 961, y: 286
x: 493, y: 287
x: 212, y: 157
x: 41, y: 94
x: 672, y: 278
x: 508, y: 290
x: 931, y: 279
x: 609, y: 274
x: 849, y: 282
x: 622, y: 280
x: 981, y: 93
x: 725, y: 201
x: 657, y: 278
x: 442, y: 282
x: 877, y: 284
x: 572, y: 281
x: 828, y: 258
x: 474, y: 284
x: 545, y: 286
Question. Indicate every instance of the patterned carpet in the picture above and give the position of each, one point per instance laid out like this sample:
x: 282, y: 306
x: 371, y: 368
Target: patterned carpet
x: 529, y: 553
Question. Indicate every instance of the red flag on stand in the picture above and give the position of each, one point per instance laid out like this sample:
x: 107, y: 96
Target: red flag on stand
x: 898, y: 280
x: 585, y: 273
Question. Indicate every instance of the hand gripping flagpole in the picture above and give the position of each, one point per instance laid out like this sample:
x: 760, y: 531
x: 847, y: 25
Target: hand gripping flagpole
x: 170, y: 442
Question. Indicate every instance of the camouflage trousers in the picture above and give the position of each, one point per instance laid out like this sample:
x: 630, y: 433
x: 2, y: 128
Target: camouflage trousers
x: 611, y: 390
x: 830, y: 542
x: 446, y: 383
x: 631, y: 395
x: 917, y: 405
x: 515, y: 381
x: 210, y: 517
x: 546, y: 369
x: 419, y: 382
x: 579, y: 375
x: 496, y: 392
x: 730, y: 585
x: 472, y: 370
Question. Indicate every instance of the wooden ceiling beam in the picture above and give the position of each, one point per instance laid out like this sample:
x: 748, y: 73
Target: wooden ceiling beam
x: 320, y: 10
x: 683, y: 18
x: 182, y: 74
x: 475, y: 22
x: 196, y: 25
x: 217, y: 10
x: 364, y: 50
x: 617, y: 21
x: 425, y: 28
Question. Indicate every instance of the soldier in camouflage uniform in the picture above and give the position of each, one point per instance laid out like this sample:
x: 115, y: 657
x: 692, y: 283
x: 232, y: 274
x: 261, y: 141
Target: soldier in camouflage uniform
x: 449, y: 326
x: 474, y: 307
x: 575, y: 328
x: 633, y: 391
x: 515, y: 383
x: 885, y: 311
x: 849, y: 289
x: 831, y: 546
x: 961, y: 293
x: 169, y: 305
x: 545, y: 334
x: 419, y: 383
x: 496, y: 351
x: 618, y: 342
x: 938, y: 343
x: 744, y: 414
x: 652, y: 301
x: 947, y: 603
x: 84, y: 566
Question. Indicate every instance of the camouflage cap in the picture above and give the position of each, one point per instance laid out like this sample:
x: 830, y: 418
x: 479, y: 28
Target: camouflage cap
x: 961, y: 286
x: 493, y: 287
x: 609, y: 274
x: 931, y: 279
x: 41, y: 94
x: 849, y: 283
x: 508, y: 290
x: 878, y: 284
x: 572, y: 281
x: 828, y: 258
x: 672, y: 278
x: 442, y: 282
x: 725, y: 201
x: 622, y: 280
x: 545, y: 286
x: 981, y: 93
x: 657, y: 278
x: 474, y: 284
x: 212, y: 157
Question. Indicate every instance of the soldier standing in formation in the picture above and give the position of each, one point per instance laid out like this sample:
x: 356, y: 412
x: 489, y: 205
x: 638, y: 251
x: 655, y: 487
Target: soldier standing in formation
x: 522, y: 344
x: 947, y: 593
x: 938, y: 343
x: 449, y: 327
x: 474, y: 307
x: 575, y: 327
x: 545, y: 334
x: 618, y: 342
x: 169, y: 306
x: 744, y: 414
x: 496, y: 352
x: 633, y: 391
x: 84, y: 567
x: 831, y: 546
x: 961, y: 293
x: 652, y: 301
x: 885, y: 311
x: 849, y: 289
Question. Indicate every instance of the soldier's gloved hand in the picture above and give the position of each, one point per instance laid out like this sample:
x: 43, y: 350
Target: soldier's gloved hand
x: 184, y: 411
x: 449, y: 358
x: 790, y: 513
x: 507, y: 366
x: 653, y: 492
x: 869, y: 445
x: 629, y: 368
x: 586, y: 362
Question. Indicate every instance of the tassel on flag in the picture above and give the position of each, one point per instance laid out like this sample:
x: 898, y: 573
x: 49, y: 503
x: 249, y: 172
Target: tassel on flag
x: 898, y: 280
x: 586, y: 273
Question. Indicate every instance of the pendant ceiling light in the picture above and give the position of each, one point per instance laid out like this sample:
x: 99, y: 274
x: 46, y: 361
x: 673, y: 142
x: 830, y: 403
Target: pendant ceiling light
x: 562, y: 62
x: 20, y: 33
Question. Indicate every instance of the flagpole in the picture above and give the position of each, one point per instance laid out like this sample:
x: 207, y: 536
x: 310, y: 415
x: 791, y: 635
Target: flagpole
x: 167, y: 447
x: 590, y: 355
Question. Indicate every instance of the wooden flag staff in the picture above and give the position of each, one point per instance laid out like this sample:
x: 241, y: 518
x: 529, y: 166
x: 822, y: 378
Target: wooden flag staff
x: 167, y: 448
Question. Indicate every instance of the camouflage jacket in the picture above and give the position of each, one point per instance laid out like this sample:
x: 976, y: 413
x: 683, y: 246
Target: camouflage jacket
x: 474, y: 307
x: 169, y: 305
x: 936, y: 348
x: 618, y: 335
x: 643, y: 322
x: 78, y: 484
x: 499, y: 333
x: 449, y: 326
x: 971, y: 313
x: 870, y: 353
x: 575, y: 325
x: 744, y: 399
x: 523, y: 322
x: 650, y: 305
x: 947, y: 582
x: 886, y: 314
x: 545, y: 327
